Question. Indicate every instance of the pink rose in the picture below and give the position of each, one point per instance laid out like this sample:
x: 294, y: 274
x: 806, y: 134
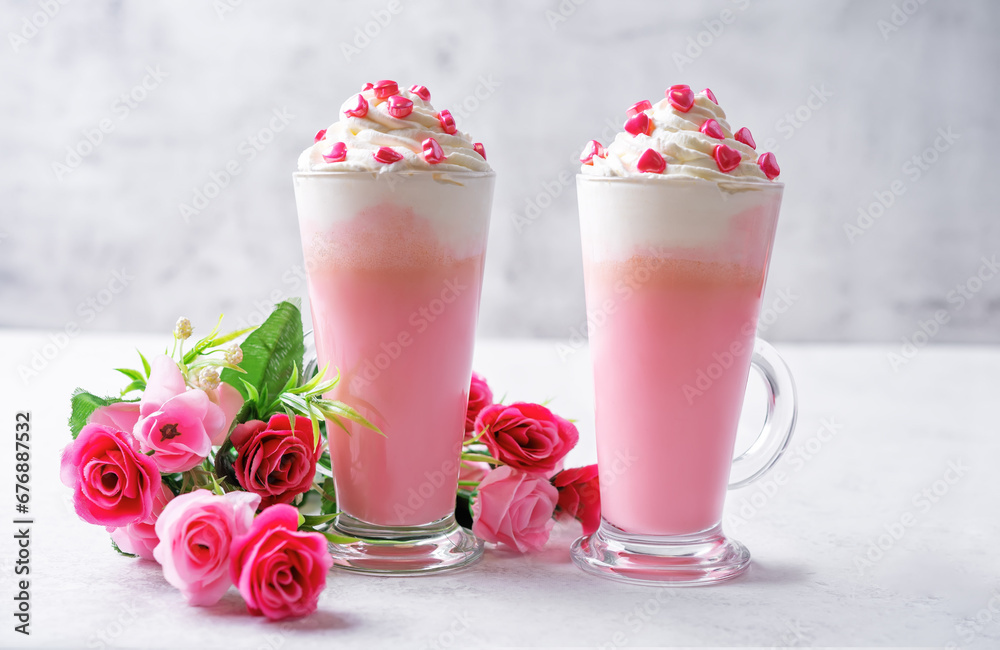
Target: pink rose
x: 480, y: 396
x: 473, y: 471
x: 180, y: 425
x: 196, y: 532
x: 580, y: 496
x: 140, y: 538
x: 113, y: 484
x: 279, y: 571
x: 526, y: 436
x: 273, y: 459
x: 514, y: 508
x: 121, y: 416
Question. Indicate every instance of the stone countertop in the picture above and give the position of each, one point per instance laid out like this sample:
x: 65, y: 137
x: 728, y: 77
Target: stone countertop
x: 878, y: 528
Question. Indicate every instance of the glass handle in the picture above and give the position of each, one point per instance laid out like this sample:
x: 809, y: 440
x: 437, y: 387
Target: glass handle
x: 779, y: 423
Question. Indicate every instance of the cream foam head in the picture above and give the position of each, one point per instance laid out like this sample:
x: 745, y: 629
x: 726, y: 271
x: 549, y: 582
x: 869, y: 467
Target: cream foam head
x: 684, y: 134
x: 385, y: 128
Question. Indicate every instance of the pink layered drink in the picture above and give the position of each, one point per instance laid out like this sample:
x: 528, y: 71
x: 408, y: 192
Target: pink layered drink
x: 677, y: 217
x: 394, y: 206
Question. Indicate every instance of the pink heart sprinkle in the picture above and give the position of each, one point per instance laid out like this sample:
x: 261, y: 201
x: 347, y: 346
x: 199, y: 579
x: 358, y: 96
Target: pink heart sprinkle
x: 385, y: 89
x: 447, y: 122
x: 421, y: 92
x: 769, y: 165
x: 433, y: 153
x: 681, y: 98
x: 336, y: 153
x: 593, y: 148
x: 678, y: 86
x: 726, y: 157
x: 712, y: 129
x: 639, y: 123
x: 320, y: 135
x: 367, y: 86
x: 360, y: 108
x: 399, y: 106
x: 651, y: 162
x: 708, y: 93
x: 387, y: 155
x: 743, y: 135
x: 638, y: 107
x: 478, y: 148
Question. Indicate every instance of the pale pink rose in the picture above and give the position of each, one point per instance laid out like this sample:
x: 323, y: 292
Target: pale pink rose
x: 180, y: 425
x: 514, y: 508
x: 196, y: 531
x: 113, y: 483
x: 279, y: 570
x: 140, y: 539
x: 121, y: 415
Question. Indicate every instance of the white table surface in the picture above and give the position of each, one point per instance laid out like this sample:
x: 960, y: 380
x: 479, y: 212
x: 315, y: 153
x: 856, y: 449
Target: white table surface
x: 893, y: 435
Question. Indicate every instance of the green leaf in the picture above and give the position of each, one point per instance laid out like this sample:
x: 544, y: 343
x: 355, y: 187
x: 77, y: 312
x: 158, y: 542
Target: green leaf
x: 333, y: 409
x: 119, y: 551
x: 145, y: 364
x: 251, y: 391
x: 132, y: 374
x: 482, y: 458
x: 82, y: 406
x: 340, y: 539
x: 315, y: 520
x: 271, y: 353
x: 226, y: 338
x: 138, y: 384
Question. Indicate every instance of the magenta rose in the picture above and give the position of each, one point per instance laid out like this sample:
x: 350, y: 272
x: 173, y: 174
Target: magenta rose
x: 273, y: 459
x: 140, y: 538
x: 580, y: 496
x: 196, y: 532
x: 113, y: 483
x: 279, y: 571
x: 480, y: 396
x: 180, y: 425
x: 526, y: 436
x: 514, y: 508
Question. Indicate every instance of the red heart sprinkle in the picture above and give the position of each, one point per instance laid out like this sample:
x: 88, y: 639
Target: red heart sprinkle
x: 336, y: 153
x: 638, y: 107
x: 769, y: 165
x: 593, y: 148
x: 712, y: 129
x: 447, y: 122
x: 367, y: 86
x: 421, y: 92
x: 651, y: 161
x: 743, y: 135
x: 433, y: 153
x: 385, y: 89
x: 319, y: 135
x: 708, y: 93
x: 387, y: 155
x: 681, y: 98
x: 360, y: 108
x: 399, y: 106
x: 639, y: 123
x: 726, y: 157
x: 478, y: 148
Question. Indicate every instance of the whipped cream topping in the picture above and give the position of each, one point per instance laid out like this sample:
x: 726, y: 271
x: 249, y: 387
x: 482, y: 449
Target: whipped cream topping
x: 380, y: 130
x: 665, y: 140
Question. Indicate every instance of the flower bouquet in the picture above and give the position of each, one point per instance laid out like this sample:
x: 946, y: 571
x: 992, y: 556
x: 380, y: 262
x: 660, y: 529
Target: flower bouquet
x: 213, y: 462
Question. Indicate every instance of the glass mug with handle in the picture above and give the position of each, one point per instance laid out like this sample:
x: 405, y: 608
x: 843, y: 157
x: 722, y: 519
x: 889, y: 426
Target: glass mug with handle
x: 674, y: 273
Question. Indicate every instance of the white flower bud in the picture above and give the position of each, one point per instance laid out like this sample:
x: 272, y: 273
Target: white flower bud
x: 183, y: 329
x: 208, y: 378
x: 234, y: 354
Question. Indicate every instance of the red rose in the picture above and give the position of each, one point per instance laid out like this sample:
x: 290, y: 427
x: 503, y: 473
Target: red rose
x: 580, y: 496
x: 113, y: 483
x: 273, y: 459
x: 279, y: 571
x: 526, y: 436
x: 480, y: 396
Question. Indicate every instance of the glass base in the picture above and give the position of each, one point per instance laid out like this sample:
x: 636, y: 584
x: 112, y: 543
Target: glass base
x: 404, y: 550
x: 702, y: 558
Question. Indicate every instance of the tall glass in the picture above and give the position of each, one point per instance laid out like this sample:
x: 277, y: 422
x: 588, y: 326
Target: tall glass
x: 674, y: 272
x: 395, y: 268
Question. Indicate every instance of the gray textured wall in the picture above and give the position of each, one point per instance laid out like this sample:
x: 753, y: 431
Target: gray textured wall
x: 536, y: 81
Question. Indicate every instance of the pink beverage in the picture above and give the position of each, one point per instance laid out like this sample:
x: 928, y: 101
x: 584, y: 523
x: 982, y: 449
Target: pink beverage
x: 395, y: 267
x: 679, y: 294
